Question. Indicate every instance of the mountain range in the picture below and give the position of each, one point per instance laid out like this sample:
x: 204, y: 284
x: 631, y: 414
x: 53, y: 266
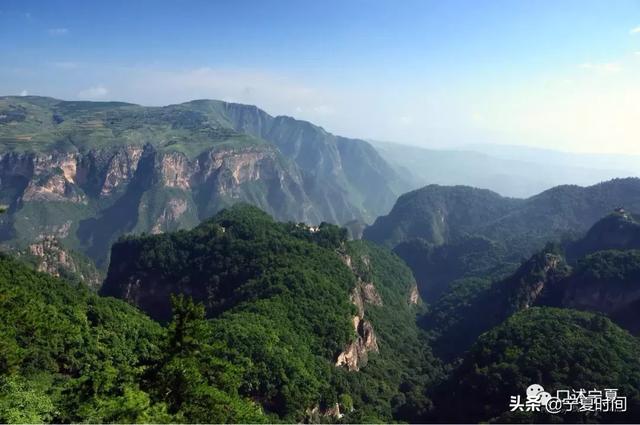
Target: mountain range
x: 447, y: 233
x: 88, y: 172
x: 196, y: 263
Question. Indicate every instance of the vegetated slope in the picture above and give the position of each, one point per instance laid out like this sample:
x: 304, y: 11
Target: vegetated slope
x: 436, y: 227
x: 604, y: 278
x: 88, y: 172
x: 618, y: 230
x: 472, y: 306
x: 67, y: 355
x: 559, y: 349
x: 317, y: 326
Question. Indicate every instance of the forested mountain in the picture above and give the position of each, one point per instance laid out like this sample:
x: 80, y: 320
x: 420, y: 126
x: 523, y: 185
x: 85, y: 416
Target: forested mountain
x: 309, y: 319
x: 261, y: 321
x: 555, y: 348
x: 241, y: 318
x: 524, y: 329
x: 88, y: 172
x: 602, y: 278
x: 447, y: 233
x: 67, y: 355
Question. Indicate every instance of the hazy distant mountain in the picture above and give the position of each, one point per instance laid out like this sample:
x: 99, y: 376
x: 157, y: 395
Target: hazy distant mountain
x: 598, y: 161
x: 508, y: 170
x: 88, y: 172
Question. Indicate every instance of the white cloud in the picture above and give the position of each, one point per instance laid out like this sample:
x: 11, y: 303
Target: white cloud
x: 603, y: 68
x: 58, y: 31
x: 96, y: 92
x: 24, y: 93
x: 635, y: 30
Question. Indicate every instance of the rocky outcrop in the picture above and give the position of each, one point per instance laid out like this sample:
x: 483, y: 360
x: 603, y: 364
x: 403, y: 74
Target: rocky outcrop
x: 318, y: 415
x: 115, y: 169
x: 414, y: 295
x: 171, y: 213
x: 535, y: 278
x: 356, y: 354
x: 93, y: 197
x: 51, y: 177
x: 52, y: 258
x: 121, y: 167
x: 370, y: 293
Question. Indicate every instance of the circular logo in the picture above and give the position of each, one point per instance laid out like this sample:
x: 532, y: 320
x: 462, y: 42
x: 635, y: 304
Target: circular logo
x: 533, y: 391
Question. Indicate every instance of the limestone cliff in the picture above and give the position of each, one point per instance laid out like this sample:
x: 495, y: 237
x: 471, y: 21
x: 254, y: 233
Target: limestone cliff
x: 88, y: 199
x: 90, y: 172
x: 356, y: 354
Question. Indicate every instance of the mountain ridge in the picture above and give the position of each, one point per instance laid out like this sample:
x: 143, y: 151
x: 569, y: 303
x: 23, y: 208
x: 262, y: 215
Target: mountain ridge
x: 88, y: 172
x: 432, y: 223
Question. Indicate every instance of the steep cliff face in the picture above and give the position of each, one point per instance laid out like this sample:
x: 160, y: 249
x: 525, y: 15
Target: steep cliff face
x: 88, y: 199
x: 356, y: 354
x: 607, y: 282
x: 347, y: 176
x: 89, y: 172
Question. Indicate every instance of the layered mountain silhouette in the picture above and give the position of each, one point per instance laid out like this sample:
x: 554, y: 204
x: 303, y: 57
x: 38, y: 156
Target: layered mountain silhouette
x: 445, y: 233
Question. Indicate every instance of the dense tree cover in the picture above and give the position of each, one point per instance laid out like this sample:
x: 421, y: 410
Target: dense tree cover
x: 612, y: 266
x: 395, y: 380
x: 474, y: 305
x: 478, y: 233
x: 605, y: 281
x: 436, y: 266
x: 253, y: 314
x: 587, y: 351
x: 278, y: 299
x: 196, y: 384
x: 281, y: 302
x: 619, y: 230
x: 67, y: 355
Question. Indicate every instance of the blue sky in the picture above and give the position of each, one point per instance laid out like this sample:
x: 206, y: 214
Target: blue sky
x: 560, y: 74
